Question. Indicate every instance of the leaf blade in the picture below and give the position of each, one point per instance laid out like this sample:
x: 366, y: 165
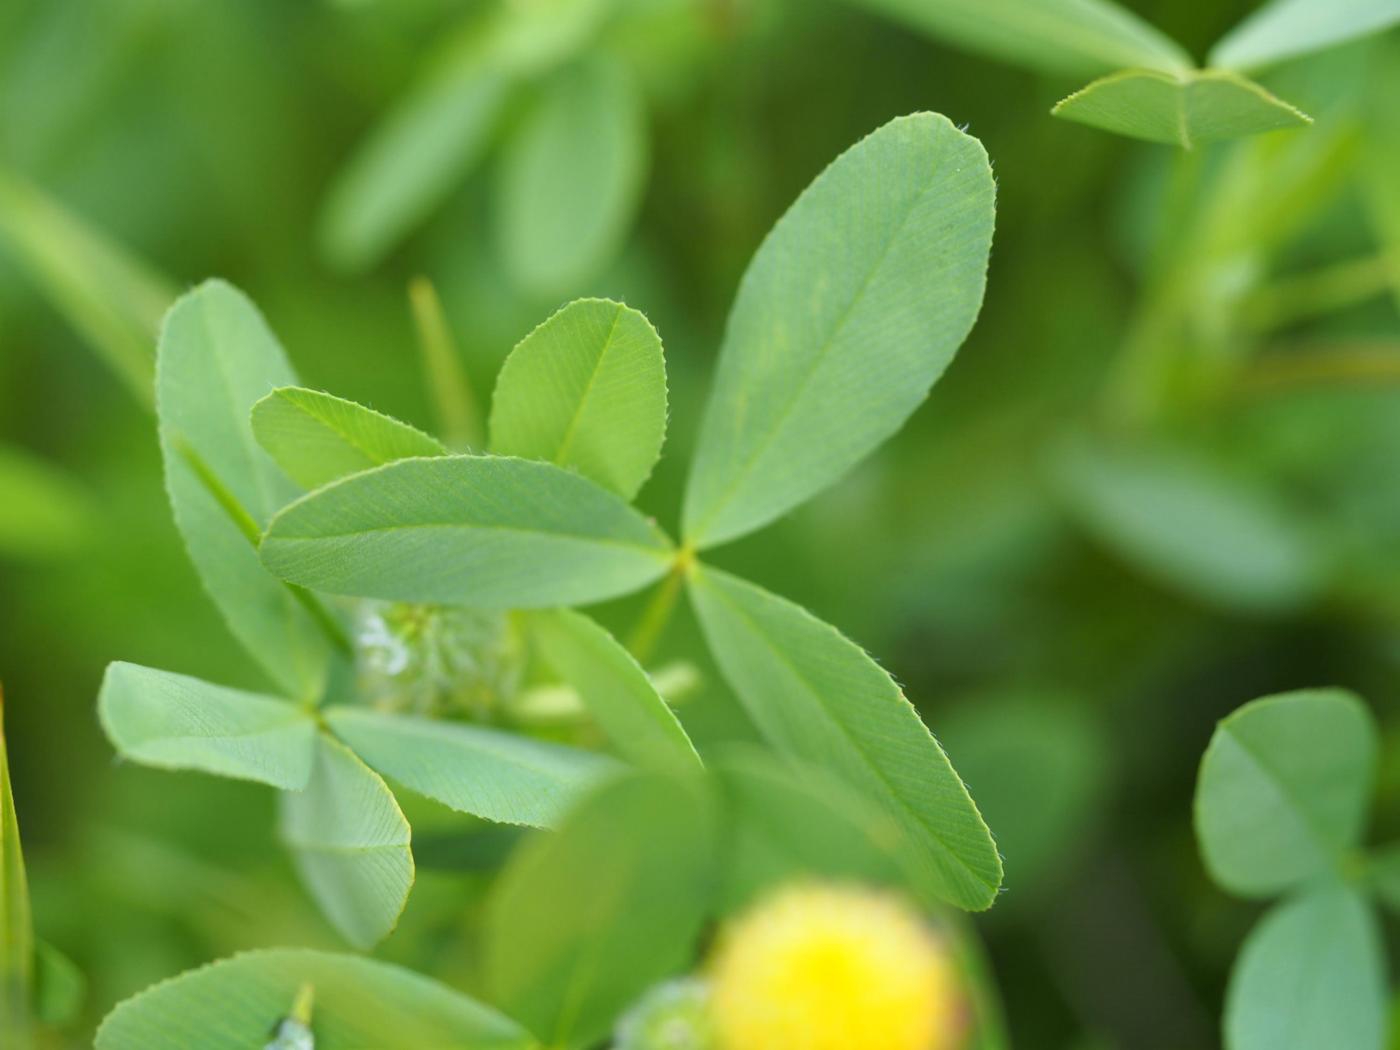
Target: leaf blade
x: 850, y: 310
x: 816, y: 695
x: 1283, y: 789
x: 489, y: 773
x: 317, y: 438
x: 234, y: 1004
x: 585, y: 390
x: 350, y: 843
x: 1286, y: 29
x: 493, y: 532
x: 640, y: 724
x: 173, y: 721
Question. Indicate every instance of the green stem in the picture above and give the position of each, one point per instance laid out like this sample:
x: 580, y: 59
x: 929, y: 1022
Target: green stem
x: 1299, y: 297
x: 453, y: 399
x: 652, y: 624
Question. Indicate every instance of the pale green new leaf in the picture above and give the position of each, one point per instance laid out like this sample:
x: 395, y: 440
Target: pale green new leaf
x: 16, y: 920
x: 585, y: 390
x: 113, y: 299
x: 816, y: 695
x: 1311, y: 975
x: 45, y: 512
x: 216, y: 358
x: 614, y: 688
x: 1284, y: 29
x: 1184, y: 109
x: 851, y: 308
x: 1284, y: 788
x: 585, y: 919
x: 350, y: 843
x: 487, y: 531
x: 173, y: 721
x: 486, y: 772
x: 317, y: 437
x: 1078, y: 37
x: 1180, y: 518
x: 572, y: 175
x: 356, y: 1004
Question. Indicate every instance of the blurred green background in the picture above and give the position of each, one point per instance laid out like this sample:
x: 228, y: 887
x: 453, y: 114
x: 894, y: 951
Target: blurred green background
x: 1161, y: 478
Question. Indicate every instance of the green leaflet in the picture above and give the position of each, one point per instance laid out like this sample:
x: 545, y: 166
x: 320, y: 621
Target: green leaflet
x: 572, y: 176
x: 16, y: 921
x: 439, y: 131
x: 357, y: 1003
x: 109, y: 296
x: 487, y: 531
x: 1285, y: 29
x: 614, y: 688
x: 487, y: 772
x: 851, y: 308
x: 216, y: 358
x: 1184, y: 109
x: 1080, y: 37
x: 45, y: 512
x: 1284, y: 788
x: 317, y: 437
x: 585, y: 919
x: 173, y: 721
x: 585, y: 390
x: 349, y: 840
x: 1183, y: 520
x: 818, y: 696
x: 1311, y: 974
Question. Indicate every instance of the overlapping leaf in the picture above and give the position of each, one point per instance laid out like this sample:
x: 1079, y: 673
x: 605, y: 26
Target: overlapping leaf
x: 585, y: 390
x: 614, y: 688
x: 816, y: 695
x: 493, y: 774
x: 492, y: 532
x: 356, y: 1003
x: 852, y: 307
x: 216, y: 358
x: 317, y: 437
x: 350, y: 842
x: 176, y: 722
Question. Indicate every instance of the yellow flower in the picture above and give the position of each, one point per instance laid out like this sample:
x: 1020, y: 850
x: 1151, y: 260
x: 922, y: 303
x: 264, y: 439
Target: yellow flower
x: 834, y: 968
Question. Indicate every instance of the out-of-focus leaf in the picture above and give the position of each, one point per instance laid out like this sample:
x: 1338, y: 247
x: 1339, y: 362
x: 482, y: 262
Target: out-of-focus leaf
x: 43, y: 511
x: 487, y: 531
x: 317, y: 437
x: 176, y: 722
x: 59, y: 986
x: 16, y: 921
x: 1383, y: 876
x: 816, y: 695
x: 789, y: 824
x: 489, y: 773
x: 114, y: 300
x: 217, y: 357
x: 1284, y: 788
x: 851, y: 308
x: 358, y: 1003
x: 437, y: 133
x: 1380, y: 159
x: 1080, y: 37
x: 1284, y: 29
x: 585, y: 919
x: 615, y: 689
x: 349, y: 840
x: 1311, y: 974
x: 585, y: 390
x: 572, y: 177
x: 1179, y: 109
x: 1035, y: 763
x: 1184, y: 521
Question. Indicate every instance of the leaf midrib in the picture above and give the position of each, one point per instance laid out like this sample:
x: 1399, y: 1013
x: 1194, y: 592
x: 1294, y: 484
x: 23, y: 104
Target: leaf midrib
x: 659, y: 548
